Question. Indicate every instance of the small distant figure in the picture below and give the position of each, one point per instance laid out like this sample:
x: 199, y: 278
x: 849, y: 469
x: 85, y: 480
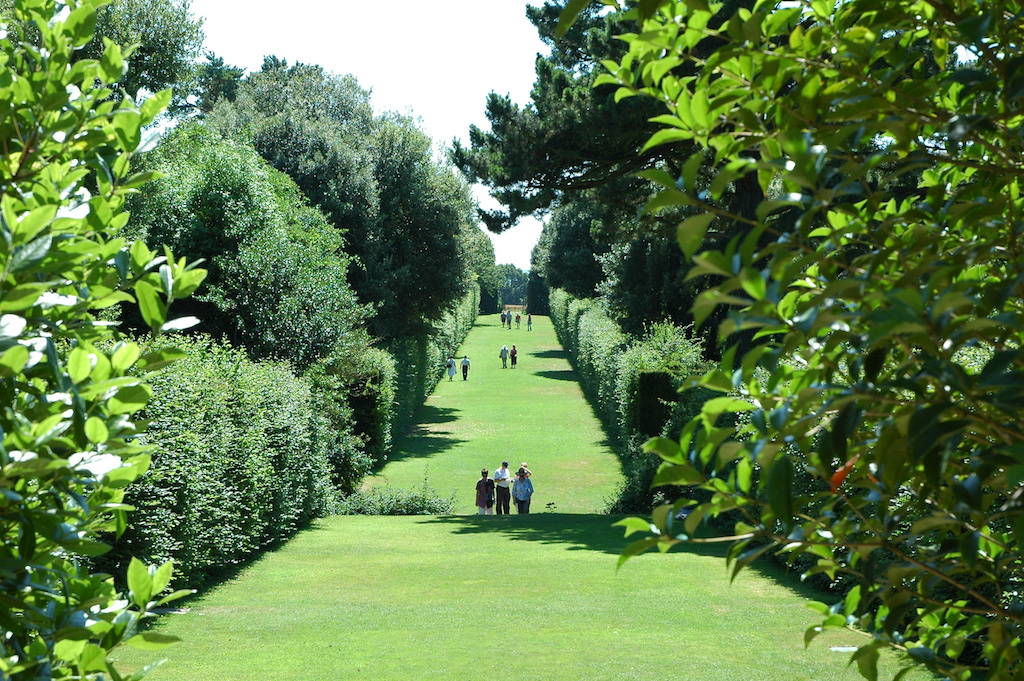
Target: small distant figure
x: 529, y: 322
x: 522, y: 491
x: 503, y: 353
x: 517, y: 320
x: 508, y: 319
x: 503, y: 319
x: 451, y: 368
x: 513, y: 354
x: 465, y: 367
x: 484, y: 494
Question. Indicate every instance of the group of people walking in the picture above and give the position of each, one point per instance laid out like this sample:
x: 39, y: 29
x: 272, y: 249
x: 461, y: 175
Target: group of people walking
x: 497, y: 493
x: 505, y: 354
x: 507, y: 317
x: 451, y: 363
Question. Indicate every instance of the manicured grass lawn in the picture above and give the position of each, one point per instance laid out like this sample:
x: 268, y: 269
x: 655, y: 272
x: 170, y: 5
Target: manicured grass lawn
x: 517, y: 597
x: 468, y: 597
x: 534, y: 413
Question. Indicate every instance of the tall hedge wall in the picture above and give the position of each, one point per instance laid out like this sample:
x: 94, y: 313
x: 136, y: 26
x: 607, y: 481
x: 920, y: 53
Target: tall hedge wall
x: 240, y: 462
x: 420, y: 361
x: 633, y: 383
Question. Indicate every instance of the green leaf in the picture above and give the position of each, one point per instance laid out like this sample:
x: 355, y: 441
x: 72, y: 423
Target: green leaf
x: 130, y: 399
x: 162, y: 576
x: 140, y: 583
x: 150, y: 305
x: 568, y: 16
x: 154, y: 105
x: 111, y: 64
x: 691, y: 232
x: 677, y: 474
x: 31, y: 254
x: 86, y: 547
x: 152, y: 640
x: 181, y: 593
x: 866, y: 658
x: 96, y: 430
x: 81, y: 24
x: 635, y: 525
x: 31, y: 223
x: 637, y: 548
x: 124, y: 357
x: 161, y: 358
x: 667, y: 136
x: 665, y: 448
x: 753, y: 283
x: 13, y: 360
x: 80, y: 363
x: 779, y: 491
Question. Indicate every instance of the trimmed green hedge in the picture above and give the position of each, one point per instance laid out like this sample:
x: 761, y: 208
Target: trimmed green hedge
x: 634, y: 385
x: 240, y: 463
x: 420, y: 362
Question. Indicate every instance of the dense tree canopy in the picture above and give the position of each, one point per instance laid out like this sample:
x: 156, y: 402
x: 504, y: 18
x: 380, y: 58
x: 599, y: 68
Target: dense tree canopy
x: 70, y: 383
x: 511, y: 285
x: 875, y: 434
x: 277, y: 273
x: 571, y: 137
x: 415, y: 265
x: 166, y: 37
x: 401, y: 211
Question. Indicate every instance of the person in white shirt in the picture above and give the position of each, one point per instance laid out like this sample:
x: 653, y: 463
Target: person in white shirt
x: 465, y: 367
x: 502, y: 491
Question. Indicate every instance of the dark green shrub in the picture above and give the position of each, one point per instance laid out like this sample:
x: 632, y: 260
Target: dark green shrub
x: 395, y: 501
x: 236, y: 465
x: 278, y: 278
x: 419, y: 361
x: 624, y: 376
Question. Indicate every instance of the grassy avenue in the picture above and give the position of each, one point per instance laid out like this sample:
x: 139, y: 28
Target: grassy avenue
x: 518, y: 597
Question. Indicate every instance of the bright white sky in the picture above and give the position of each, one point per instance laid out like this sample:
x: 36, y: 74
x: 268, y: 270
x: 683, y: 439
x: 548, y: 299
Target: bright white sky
x: 434, y: 60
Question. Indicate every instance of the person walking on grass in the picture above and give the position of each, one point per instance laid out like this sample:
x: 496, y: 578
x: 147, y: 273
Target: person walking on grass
x: 517, y: 320
x: 465, y: 367
x: 484, y: 494
x: 523, y: 490
x: 451, y: 368
x: 529, y: 322
x: 503, y: 353
x: 503, y: 319
x: 503, y: 493
x: 512, y: 354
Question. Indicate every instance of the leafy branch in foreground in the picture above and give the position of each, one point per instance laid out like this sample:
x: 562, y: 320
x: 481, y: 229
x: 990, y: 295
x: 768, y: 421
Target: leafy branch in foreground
x: 874, y: 432
x: 69, y: 384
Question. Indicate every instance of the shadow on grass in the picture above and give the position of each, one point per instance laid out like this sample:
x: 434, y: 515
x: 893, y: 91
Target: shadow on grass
x: 582, y: 532
x: 422, y: 440
x: 216, y: 578
x: 558, y: 375
x: 594, y: 532
x: 551, y: 354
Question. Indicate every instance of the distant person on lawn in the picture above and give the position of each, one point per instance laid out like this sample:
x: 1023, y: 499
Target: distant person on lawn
x: 529, y: 322
x: 451, y: 368
x: 465, y: 367
x: 523, y: 491
x: 502, y: 480
x: 503, y: 353
x: 512, y: 354
x: 517, y: 320
x: 484, y: 494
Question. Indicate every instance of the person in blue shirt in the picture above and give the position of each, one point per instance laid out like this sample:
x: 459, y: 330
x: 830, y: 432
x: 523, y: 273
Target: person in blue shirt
x: 522, y: 491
